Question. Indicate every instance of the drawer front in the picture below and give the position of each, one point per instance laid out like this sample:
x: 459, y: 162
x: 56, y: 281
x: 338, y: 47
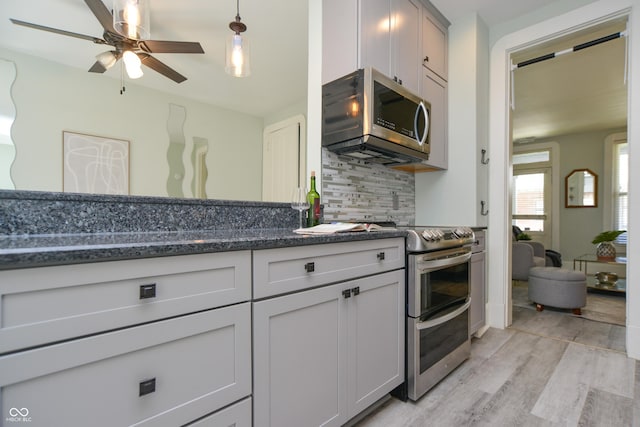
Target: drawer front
x: 236, y: 415
x: 277, y: 271
x: 479, y: 244
x: 48, y: 304
x: 158, y: 374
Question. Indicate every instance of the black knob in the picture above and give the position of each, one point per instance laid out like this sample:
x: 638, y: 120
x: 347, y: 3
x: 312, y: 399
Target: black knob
x: 147, y: 386
x: 400, y: 81
x: 356, y: 290
x: 395, y: 78
x: 148, y: 291
x: 346, y: 293
x: 310, y: 267
x: 426, y: 59
x: 381, y: 256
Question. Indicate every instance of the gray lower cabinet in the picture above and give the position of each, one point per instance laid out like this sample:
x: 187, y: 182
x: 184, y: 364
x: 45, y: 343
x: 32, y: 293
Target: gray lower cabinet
x: 151, y: 342
x: 323, y: 355
x: 478, y: 285
x: 236, y: 415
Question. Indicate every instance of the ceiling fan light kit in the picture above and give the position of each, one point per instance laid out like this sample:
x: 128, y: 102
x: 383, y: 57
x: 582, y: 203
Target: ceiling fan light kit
x: 131, y: 18
x: 134, y: 50
x: 237, y: 53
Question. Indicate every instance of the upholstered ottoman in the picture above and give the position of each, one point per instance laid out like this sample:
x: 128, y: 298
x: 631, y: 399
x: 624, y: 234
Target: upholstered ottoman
x: 557, y: 287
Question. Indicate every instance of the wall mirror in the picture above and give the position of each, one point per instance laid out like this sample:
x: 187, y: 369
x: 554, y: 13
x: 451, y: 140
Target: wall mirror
x: 218, y: 133
x: 581, y: 189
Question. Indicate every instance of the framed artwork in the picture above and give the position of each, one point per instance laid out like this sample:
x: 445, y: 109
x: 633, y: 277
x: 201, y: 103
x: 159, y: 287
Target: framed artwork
x: 94, y: 164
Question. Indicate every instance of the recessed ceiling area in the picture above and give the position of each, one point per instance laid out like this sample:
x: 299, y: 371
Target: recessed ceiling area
x: 577, y: 92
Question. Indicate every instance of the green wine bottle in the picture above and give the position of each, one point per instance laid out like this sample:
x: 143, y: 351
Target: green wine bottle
x: 313, y: 214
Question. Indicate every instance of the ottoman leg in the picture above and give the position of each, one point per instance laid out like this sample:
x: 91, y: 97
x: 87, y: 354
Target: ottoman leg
x: 539, y: 307
x: 577, y: 311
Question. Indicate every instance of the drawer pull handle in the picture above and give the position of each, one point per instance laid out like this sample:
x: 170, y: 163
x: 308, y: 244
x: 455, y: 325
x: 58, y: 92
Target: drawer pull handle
x: 148, y: 291
x: 381, y: 256
x: 355, y: 291
x: 346, y: 293
x: 310, y: 267
x: 147, y: 386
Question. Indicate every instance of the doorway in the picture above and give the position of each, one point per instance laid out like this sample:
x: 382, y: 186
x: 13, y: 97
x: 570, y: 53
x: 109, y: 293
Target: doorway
x: 499, y: 306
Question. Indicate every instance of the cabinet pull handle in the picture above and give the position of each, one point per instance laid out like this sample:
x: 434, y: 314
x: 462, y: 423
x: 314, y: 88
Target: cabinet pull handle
x: 380, y: 256
x: 355, y: 291
x: 310, y: 267
x: 346, y: 293
x: 426, y: 59
x: 147, y: 386
x: 400, y: 81
x: 148, y: 291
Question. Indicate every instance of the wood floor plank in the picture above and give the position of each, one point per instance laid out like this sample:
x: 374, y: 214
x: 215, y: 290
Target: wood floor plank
x: 564, y: 396
x: 606, y: 409
x: 613, y: 372
x: 512, y: 404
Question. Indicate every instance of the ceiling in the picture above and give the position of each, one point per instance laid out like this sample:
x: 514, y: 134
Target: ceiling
x: 276, y: 29
x: 580, y: 92
x: 574, y: 93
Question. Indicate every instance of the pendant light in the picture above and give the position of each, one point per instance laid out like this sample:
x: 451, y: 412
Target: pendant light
x: 131, y: 18
x: 237, y: 49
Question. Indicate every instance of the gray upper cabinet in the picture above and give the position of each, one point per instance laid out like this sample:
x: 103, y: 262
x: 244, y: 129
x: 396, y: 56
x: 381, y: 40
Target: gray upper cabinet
x: 383, y: 34
x: 434, y: 44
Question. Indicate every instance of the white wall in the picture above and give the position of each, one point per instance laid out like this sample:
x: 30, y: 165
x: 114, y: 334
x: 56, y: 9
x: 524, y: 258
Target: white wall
x: 75, y: 100
x: 451, y: 197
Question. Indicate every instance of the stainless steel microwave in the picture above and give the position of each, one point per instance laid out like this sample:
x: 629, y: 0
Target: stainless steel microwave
x: 369, y: 116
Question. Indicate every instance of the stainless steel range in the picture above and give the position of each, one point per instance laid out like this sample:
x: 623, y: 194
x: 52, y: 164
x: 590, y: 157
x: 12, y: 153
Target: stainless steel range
x: 438, y: 261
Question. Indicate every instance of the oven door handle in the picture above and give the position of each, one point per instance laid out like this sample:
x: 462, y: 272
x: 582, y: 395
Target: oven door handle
x: 437, y: 264
x: 440, y: 320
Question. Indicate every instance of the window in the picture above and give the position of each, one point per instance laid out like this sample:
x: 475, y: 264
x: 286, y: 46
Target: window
x: 621, y: 189
x: 531, y: 208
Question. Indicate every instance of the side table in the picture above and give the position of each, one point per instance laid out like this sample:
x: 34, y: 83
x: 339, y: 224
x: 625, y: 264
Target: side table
x: 583, y: 262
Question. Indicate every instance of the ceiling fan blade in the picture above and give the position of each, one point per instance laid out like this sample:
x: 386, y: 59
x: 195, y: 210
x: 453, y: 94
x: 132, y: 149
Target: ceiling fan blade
x: 57, y: 31
x: 161, y: 68
x: 159, y: 46
x: 102, y: 13
x: 97, y: 68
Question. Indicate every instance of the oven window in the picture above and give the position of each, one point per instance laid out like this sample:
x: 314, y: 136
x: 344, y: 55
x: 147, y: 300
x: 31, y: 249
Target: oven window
x: 443, y: 287
x: 439, y: 341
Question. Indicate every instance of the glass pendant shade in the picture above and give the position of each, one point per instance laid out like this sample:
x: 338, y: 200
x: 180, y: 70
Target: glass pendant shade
x: 131, y: 18
x: 107, y: 59
x: 238, y: 63
x: 132, y: 64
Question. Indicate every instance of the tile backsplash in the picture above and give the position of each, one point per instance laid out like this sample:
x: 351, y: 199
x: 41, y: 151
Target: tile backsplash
x: 354, y: 190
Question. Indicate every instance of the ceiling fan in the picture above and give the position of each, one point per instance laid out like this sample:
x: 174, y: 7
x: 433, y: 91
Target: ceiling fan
x: 126, y: 48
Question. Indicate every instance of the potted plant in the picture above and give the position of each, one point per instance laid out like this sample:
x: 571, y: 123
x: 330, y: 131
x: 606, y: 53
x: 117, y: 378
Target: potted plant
x: 523, y: 236
x: 605, y: 250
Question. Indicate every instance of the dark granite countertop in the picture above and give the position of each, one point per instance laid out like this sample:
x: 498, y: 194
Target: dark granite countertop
x: 44, y: 250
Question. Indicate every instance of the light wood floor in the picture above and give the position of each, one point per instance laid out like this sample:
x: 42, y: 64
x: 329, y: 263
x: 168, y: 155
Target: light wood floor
x: 548, y: 369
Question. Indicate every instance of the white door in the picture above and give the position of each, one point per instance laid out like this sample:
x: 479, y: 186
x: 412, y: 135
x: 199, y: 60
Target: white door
x: 283, y: 159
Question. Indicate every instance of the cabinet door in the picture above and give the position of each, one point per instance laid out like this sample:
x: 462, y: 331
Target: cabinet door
x: 434, y: 90
x: 434, y: 45
x: 405, y: 53
x: 376, y: 338
x: 299, y: 359
x: 339, y: 38
x: 477, y: 310
x: 375, y: 35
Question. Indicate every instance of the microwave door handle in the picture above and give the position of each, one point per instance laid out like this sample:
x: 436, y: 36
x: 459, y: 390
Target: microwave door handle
x: 440, y: 320
x: 423, y: 108
x: 437, y: 264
